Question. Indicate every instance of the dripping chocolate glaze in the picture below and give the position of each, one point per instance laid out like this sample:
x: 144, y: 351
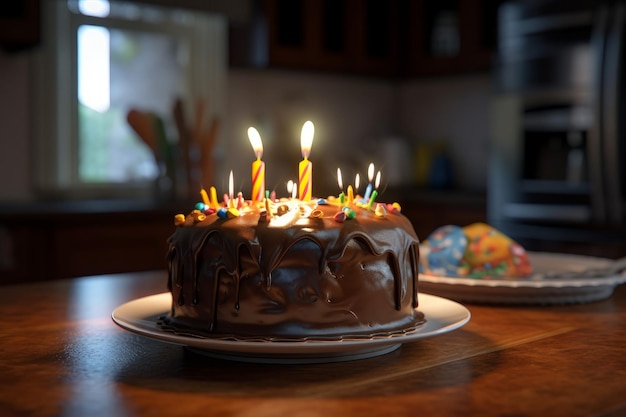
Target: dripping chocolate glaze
x: 267, y: 244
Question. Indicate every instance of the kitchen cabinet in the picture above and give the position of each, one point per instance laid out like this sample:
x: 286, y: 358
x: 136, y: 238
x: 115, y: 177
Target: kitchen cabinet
x: 337, y: 35
x: 407, y: 38
x: 46, y: 241
x: 19, y: 24
x: 449, y: 36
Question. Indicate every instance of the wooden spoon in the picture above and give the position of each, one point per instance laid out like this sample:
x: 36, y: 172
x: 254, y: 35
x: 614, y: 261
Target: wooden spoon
x: 143, y: 125
x: 184, y: 141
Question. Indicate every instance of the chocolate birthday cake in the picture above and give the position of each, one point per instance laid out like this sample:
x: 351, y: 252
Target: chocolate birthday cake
x: 293, y: 270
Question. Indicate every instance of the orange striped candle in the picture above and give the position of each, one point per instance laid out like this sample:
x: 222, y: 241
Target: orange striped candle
x: 305, y: 183
x: 258, y: 166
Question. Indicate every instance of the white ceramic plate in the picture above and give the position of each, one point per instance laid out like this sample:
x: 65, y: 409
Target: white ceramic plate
x: 536, y: 289
x: 140, y: 316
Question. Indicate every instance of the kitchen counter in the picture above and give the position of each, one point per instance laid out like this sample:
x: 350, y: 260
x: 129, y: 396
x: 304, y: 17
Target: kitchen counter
x: 91, y: 237
x: 63, y: 356
x: 429, y: 209
x: 62, y: 239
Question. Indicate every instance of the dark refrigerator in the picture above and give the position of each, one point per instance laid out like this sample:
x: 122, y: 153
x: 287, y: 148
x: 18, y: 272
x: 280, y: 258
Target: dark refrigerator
x: 557, y: 178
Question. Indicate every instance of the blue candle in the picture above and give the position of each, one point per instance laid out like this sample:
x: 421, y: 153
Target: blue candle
x: 370, y: 177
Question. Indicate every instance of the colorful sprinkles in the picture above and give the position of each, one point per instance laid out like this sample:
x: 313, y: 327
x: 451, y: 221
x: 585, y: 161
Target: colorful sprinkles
x: 270, y: 207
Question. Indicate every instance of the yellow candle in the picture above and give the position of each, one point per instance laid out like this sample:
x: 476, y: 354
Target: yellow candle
x: 350, y: 194
x: 305, y: 177
x: 268, y: 209
x: 214, y: 203
x: 205, y: 197
x: 258, y: 166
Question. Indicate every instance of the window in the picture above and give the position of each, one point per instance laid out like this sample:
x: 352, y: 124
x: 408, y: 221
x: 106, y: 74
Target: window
x: 99, y: 61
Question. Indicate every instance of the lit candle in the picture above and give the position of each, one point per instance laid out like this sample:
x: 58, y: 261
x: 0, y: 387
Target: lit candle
x: 340, y: 183
x: 258, y: 166
x: 306, y: 167
x: 370, y: 177
x: 357, y: 183
x: 290, y: 187
x: 231, y: 189
x: 375, y: 192
x: 339, y: 179
x: 294, y: 190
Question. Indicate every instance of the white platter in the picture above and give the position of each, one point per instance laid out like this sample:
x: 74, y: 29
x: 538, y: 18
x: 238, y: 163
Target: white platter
x: 140, y: 316
x: 538, y: 289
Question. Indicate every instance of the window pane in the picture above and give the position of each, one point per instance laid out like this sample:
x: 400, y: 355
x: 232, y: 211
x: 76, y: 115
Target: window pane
x: 93, y: 67
x: 146, y: 72
x: 98, y: 8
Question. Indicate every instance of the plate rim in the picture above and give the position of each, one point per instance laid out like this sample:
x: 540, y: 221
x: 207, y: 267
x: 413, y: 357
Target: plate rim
x: 159, y: 304
x: 609, y: 280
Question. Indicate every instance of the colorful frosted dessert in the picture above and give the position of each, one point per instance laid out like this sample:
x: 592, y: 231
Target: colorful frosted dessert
x: 475, y: 251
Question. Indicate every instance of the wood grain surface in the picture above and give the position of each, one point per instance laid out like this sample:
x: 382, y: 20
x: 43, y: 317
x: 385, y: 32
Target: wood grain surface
x: 61, y: 355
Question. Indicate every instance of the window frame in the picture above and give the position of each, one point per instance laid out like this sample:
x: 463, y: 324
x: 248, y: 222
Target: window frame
x: 55, y: 127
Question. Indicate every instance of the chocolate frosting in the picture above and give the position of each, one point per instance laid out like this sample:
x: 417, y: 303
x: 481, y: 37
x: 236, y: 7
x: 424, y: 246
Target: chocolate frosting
x: 294, y: 276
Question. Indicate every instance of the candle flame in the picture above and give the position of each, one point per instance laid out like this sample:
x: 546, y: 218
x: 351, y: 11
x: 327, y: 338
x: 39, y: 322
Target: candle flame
x: 306, y: 138
x: 357, y: 181
x: 339, y: 179
x: 255, y: 141
x: 370, y: 172
x: 289, y: 186
x: 377, y: 180
x: 231, y: 185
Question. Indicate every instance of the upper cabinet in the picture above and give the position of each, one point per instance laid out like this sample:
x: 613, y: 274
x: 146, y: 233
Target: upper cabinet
x: 338, y: 35
x: 450, y: 36
x: 368, y: 37
x: 19, y: 24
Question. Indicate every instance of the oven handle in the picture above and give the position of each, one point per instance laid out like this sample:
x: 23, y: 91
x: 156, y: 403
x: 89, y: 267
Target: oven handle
x: 596, y: 133
x: 613, y: 99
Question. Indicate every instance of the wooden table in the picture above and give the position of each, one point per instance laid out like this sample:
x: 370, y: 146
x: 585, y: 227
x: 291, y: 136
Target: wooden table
x: 61, y: 355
